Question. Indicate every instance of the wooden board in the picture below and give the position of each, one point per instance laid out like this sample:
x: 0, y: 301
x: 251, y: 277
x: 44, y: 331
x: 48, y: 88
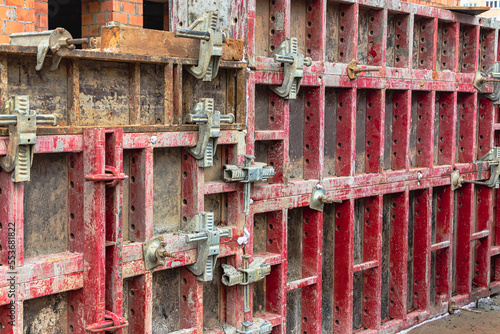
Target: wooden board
x: 467, y: 10
x: 139, y: 41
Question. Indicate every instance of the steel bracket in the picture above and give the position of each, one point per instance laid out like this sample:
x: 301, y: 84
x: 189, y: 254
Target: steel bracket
x: 492, y: 75
x: 293, y: 71
x: 22, y: 124
x: 201, y: 229
x: 248, y: 274
x: 154, y: 253
x: 59, y: 41
x: 493, y: 159
x: 211, y: 40
x: 110, y: 324
x: 208, y: 121
x: 259, y: 171
x: 319, y: 198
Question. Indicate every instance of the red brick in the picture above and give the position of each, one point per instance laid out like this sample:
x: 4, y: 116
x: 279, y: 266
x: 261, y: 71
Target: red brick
x: 135, y: 20
x: 107, y: 6
x: 3, y: 11
x: 4, y: 39
x: 100, y: 19
x: 13, y: 27
x: 43, y: 21
x: 138, y: 9
x: 94, y: 7
x: 128, y: 7
x: 119, y: 17
x: 95, y: 30
x: 25, y: 15
x: 86, y: 19
x: 85, y: 31
x: 29, y: 4
x: 29, y: 27
x: 17, y: 3
x: 41, y: 7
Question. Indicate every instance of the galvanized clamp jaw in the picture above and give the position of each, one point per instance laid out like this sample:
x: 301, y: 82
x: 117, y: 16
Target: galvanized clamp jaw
x: 258, y: 326
x: 293, y: 62
x: 208, y: 121
x: 205, y: 29
x: 59, y: 41
x: 492, y: 75
x: 203, y: 231
x: 154, y: 253
x: 248, y: 274
x: 246, y: 174
x: 319, y: 198
x: 493, y: 159
x: 22, y: 124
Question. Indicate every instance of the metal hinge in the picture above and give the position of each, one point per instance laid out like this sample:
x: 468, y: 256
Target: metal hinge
x: 293, y: 71
x: 59, y: 41
x: 205, y: 29
x: 493, y: 159
x: 319, y: 198
x: 110, y: 324
x: 492, y: 75
x: 246, y: 174
x: 22, y: 124
x: 203, y: 231
x: 154, y: 253
x: 248, y: 274
x: 208, y: 121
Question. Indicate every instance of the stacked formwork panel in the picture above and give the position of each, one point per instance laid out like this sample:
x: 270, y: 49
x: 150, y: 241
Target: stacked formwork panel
x: 398, y: 248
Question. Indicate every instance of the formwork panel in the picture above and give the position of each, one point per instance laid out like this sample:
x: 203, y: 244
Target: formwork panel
x: 393, y: 244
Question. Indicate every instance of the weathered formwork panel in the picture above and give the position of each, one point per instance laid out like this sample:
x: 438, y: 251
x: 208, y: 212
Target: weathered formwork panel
x: 396, y: 249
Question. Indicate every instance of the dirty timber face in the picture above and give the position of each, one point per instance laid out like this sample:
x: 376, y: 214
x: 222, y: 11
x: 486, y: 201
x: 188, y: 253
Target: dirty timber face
x: 273, y: 167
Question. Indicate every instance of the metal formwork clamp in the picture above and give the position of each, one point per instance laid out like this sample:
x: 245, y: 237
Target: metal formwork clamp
x: 22, y: 124
x: 293, y: 71
x: 258, y: 326
x: 208, y: 237
x: 493, y: 160
x: 319, y: 198
x: 59, y: 41
x: 205, y: 29
x: 248, y: 274
x: 154, y: 253
x: 248, y: 173
x: 208, y: 121
x: 492, y: 75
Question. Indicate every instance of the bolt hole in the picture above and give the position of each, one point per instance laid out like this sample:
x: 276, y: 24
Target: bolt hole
x: 309, y: 36
x: 72, y: 216
x: 272, y: 32
x: 370, y: 33
x: 184, y: 298
x: 310, y: 24
x: 132, y: 208
x: 72, y: 164
x: 184, y: 201
x: 71, y: 308
x: 273, y: 19
x: 270, y: 241
x: 307, y: 161
x: 132, y: 227
x: 71, y: 184
x: 341, y: 28
x: 72, y: 236
x: 270, y: 226
x: 184, y: 219
x: 185, y: 174
x: 71, y: 328
x: 306, y: 234
x: 184, y: 281
x: 132, y: 293
x: 185, y: 157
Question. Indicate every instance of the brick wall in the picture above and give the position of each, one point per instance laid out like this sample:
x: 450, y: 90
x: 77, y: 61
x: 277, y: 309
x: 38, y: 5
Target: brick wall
x: 16, y: 16
x: 97, y: 13
x: 41, y: 15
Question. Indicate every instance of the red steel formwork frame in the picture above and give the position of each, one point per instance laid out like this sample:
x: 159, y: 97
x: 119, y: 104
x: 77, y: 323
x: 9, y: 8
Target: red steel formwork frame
x: 394, y: 253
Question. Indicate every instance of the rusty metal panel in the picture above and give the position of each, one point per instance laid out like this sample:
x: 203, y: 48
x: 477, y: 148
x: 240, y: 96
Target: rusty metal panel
x: 394, y: 244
